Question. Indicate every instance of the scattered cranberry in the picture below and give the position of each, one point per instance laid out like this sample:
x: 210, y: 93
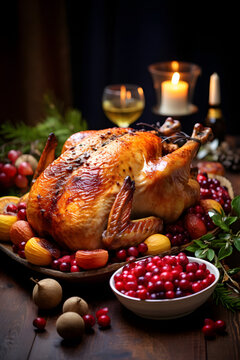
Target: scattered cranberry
x: 208, y: 330
x: 103, y: 311
x: 39, y: 323
x: 104, y: 321
x: 209, y: 321
x: 220, y: 326
x: 89, y: 321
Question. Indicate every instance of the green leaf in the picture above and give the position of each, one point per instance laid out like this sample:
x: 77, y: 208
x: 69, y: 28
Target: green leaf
x: 236, y: 242
x: 218, y: 220
x: 236, y: 205
x: 210, y: 254
x: 224, y: 237
x: 192, y: 248
x: 208, y: 237
x: 233, y: 271
x: 225, y: 251
x: 201, y: 253
x: 200, y: 244
x: 230, y: 220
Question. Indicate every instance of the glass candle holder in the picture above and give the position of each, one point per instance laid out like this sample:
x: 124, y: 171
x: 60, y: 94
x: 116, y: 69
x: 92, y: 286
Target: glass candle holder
x: 174, y: 83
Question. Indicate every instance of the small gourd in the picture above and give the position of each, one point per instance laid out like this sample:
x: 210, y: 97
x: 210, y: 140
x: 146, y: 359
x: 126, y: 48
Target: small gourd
x: 47, y: 293
x: 70, y: 326
x: 76, y: 304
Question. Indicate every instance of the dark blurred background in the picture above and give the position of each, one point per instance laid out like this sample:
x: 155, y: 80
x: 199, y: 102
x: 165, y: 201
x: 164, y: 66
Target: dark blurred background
x: 75, y: 48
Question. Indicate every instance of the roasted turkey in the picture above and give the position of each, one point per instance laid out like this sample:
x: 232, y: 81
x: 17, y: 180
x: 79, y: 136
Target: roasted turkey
x: 113, y: 188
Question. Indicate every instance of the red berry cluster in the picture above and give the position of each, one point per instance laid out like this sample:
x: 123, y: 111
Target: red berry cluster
x: 212, y: 189
x: 212, y: 327
x: 66, y: 263
x: 168, y: 277
x: 17, y: 209
x: 177, y: 233
x: 131, y: 253
x: 102, y: 317
x: 11, y: 175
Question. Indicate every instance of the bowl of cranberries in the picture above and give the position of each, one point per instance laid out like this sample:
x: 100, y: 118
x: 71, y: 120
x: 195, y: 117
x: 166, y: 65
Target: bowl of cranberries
x: 164, y: 287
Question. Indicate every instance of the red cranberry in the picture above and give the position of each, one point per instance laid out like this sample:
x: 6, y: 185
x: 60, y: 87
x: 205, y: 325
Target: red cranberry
x: 21, y: 253
x: 208, y: 330
x: 22, y: 205
x: 104, y: 321
x: 64, y: 266
x: 39, y: 323
x: 89, y: 321
x: 142, y: 248
x: 142, y: 294
x: 21, y: 246
x: 55, y: 264
x: 22, y: 214
x: 74, y: 268
x: 133, y: 251
x: 121, y: 254
x: 220, y: 326
x: 102, y: 311
x: 196, y: 287
x: 209, y: 321
x: 12, y: 208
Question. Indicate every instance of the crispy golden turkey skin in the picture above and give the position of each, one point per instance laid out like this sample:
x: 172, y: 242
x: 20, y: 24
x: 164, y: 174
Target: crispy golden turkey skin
x: 72, y: 198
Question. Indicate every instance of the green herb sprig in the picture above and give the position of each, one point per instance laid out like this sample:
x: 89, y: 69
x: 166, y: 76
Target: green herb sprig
x: 215, y: 247
x: 31, y: 139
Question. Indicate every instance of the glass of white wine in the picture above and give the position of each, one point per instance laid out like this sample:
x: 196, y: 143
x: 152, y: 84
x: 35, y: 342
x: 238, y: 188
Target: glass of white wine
x: 123, y: 104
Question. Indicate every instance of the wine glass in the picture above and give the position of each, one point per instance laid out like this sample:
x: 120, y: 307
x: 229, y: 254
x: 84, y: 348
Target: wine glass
x: 123, y: 104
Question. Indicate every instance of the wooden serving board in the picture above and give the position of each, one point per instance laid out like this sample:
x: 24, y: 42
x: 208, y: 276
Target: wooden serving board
x: 83, y: 276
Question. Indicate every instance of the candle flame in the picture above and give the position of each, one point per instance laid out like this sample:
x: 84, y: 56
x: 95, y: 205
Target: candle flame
x: 175, y: 78
x: 122, y: 94
x: 128, y: 95
x: 175, y: 65
x: 140, y: 91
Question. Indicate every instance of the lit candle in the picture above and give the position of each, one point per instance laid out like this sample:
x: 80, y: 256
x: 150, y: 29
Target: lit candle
x: 174, y: 96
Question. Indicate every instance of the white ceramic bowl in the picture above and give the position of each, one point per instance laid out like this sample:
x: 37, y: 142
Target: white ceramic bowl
x: 167, y: 308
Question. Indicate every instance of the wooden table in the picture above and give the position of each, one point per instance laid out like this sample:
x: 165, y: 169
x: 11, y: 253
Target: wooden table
x: 129, y: 337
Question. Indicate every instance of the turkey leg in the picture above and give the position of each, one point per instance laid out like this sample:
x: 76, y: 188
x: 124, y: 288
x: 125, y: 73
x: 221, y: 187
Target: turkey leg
x: 123, y: 232
x: 47, y: 157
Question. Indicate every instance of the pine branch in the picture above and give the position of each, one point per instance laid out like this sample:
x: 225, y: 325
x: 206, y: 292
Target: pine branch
x: 226, y: 298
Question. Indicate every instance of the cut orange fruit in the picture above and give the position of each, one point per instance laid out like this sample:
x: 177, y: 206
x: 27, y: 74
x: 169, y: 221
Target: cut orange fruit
x: 91, y: 259
x: 6, y: 200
